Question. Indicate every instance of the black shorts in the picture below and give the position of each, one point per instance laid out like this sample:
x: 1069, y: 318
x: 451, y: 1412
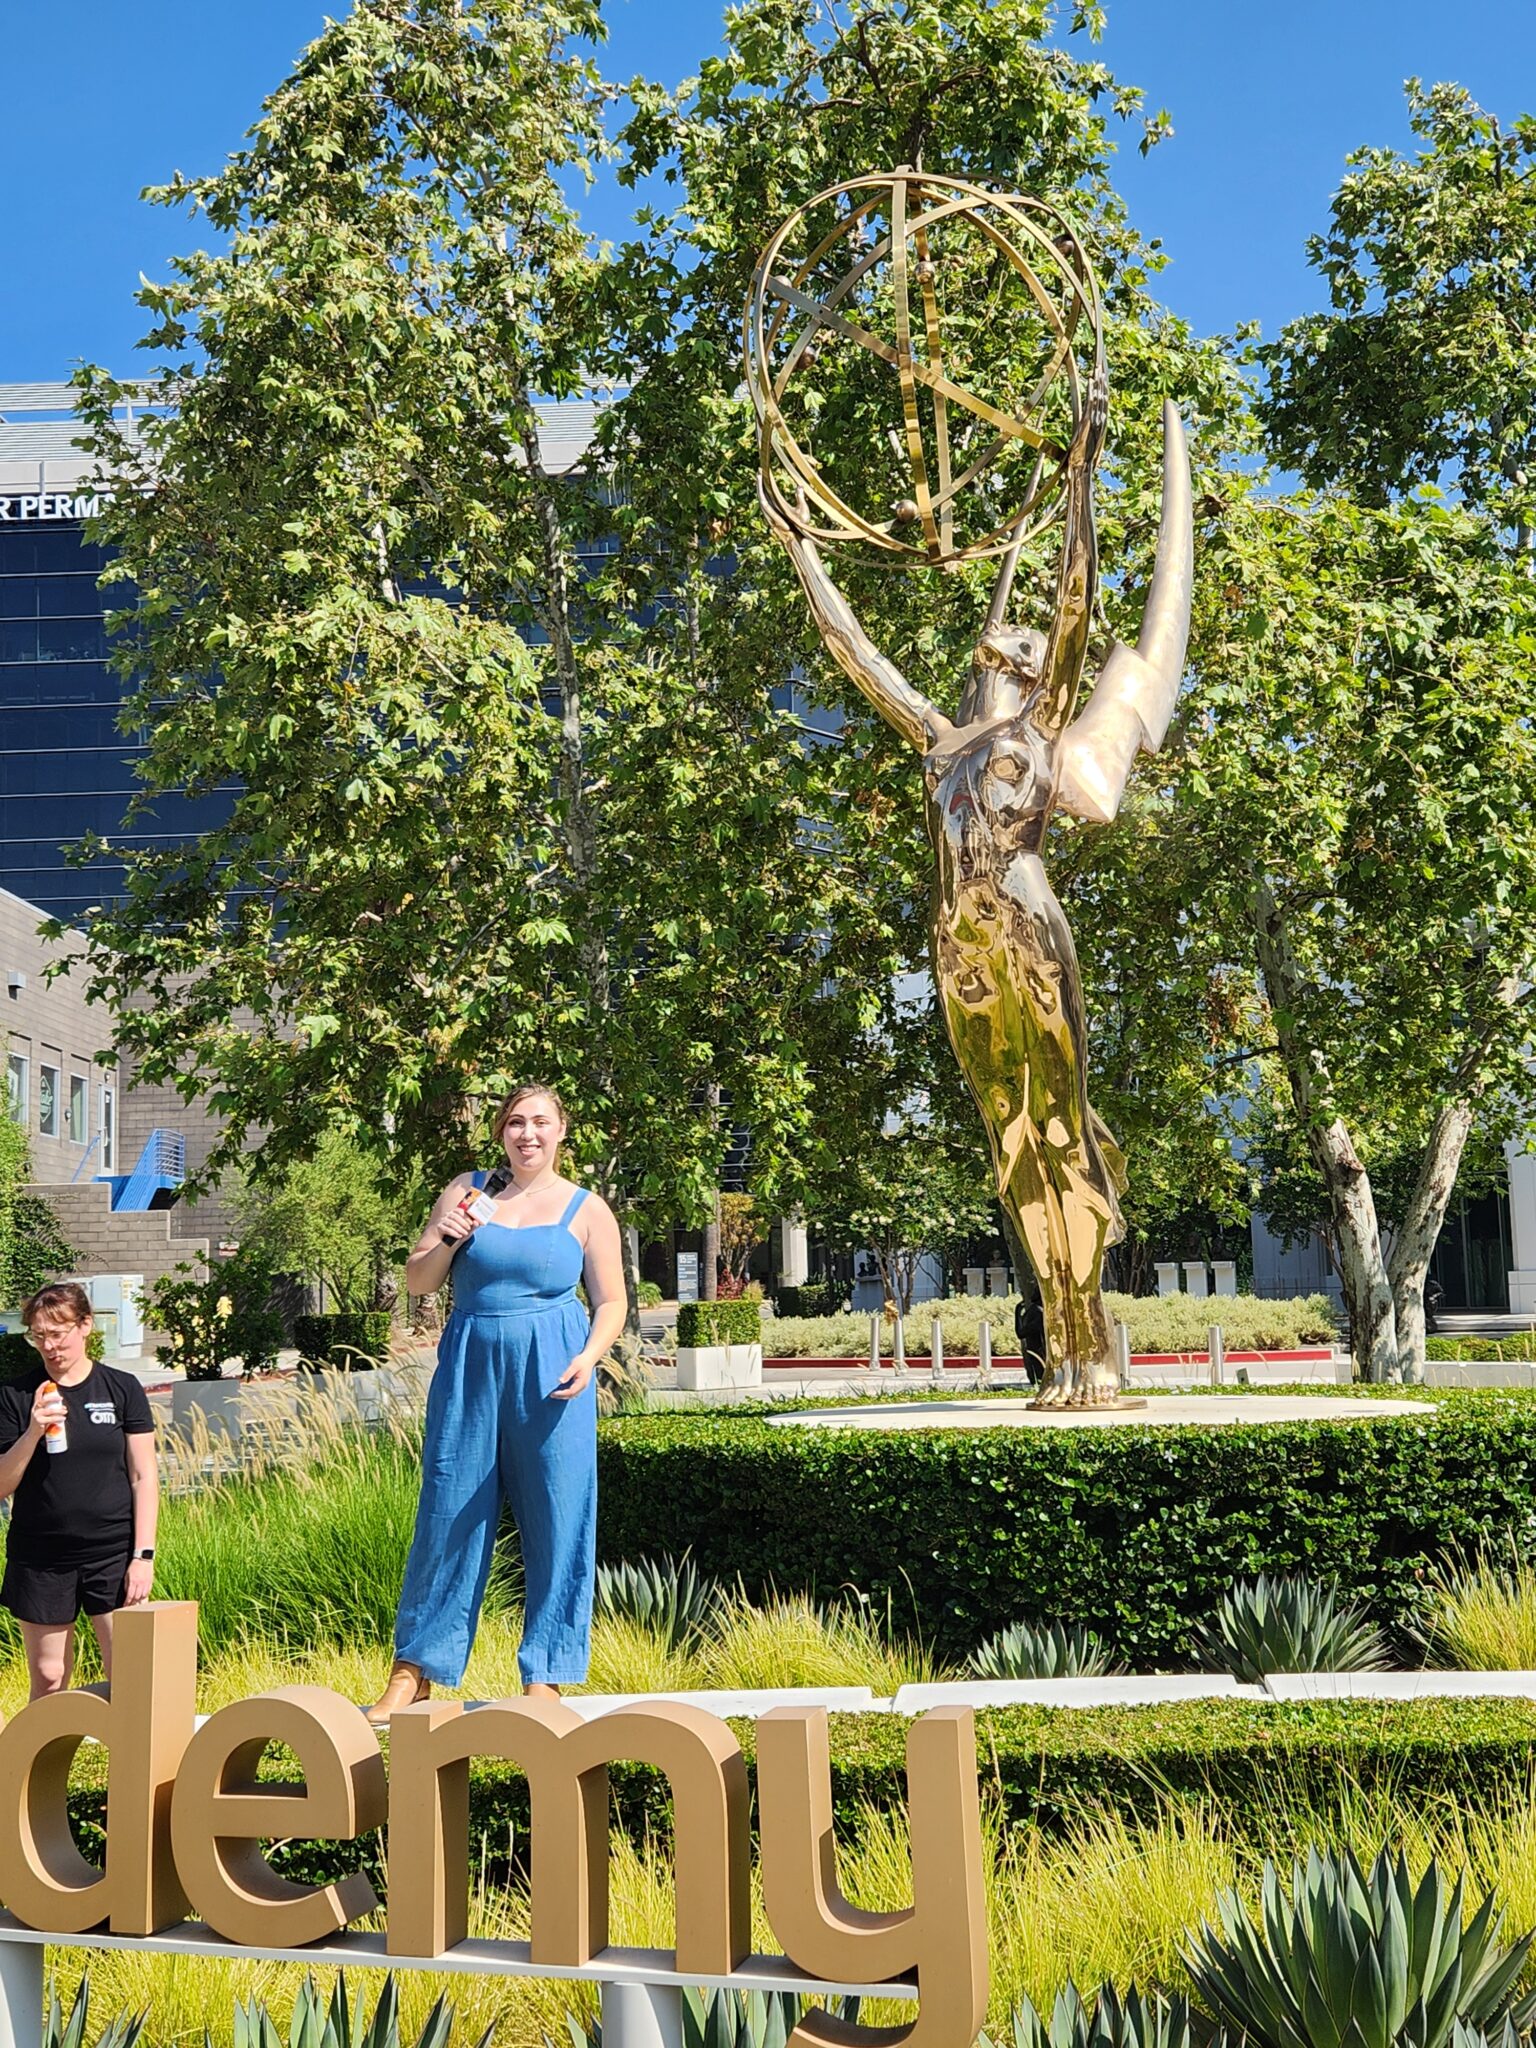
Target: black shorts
x: 52, y: 1595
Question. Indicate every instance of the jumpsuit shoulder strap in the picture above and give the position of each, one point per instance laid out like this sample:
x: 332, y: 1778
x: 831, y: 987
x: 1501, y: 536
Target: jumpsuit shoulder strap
x: 572, y: 1206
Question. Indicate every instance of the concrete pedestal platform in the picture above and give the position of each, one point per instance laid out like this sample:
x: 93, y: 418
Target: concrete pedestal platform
x: 1200, y: 1411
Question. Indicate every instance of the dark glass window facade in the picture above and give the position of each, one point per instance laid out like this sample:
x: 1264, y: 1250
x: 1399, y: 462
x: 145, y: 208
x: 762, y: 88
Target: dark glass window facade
x: 65, y: 768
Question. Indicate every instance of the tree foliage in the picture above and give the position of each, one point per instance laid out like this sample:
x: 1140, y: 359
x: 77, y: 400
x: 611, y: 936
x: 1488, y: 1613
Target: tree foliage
x: 451, y: 857
x: 332, y: 1220
x: 1420, y: 371
x: 33, y: 1248
x: 1355, y: 796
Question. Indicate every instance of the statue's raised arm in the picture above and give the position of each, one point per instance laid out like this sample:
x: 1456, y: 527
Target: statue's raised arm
x: 903, y: 708
x: 1134, y: 697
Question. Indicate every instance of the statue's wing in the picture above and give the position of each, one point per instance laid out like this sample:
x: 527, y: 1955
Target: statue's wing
x: 1134, y: 697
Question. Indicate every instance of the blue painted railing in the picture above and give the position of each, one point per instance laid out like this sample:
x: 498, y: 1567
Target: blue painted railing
x: 159, y: 1168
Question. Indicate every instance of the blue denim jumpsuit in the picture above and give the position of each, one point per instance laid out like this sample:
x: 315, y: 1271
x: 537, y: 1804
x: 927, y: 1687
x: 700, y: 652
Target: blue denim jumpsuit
x: 493, y: 1433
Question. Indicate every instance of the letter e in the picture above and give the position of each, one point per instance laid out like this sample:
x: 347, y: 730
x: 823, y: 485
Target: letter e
x: 220, y: 1814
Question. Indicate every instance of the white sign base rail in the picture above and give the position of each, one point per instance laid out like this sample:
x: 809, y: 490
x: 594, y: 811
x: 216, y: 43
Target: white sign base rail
x: 642, y: 1989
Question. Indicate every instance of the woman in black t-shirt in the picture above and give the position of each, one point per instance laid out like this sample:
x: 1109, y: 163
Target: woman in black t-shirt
x: 77, y: 1463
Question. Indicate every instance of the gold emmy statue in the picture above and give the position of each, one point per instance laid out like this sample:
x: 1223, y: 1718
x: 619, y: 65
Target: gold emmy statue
x: 914, y: 274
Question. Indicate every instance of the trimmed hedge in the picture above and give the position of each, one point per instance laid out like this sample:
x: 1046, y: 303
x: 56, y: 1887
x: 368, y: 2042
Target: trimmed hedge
x: 1521, y: 1348
x: 811, y: 1298
x: 719, y: 1322
x: 1133, y: 1532
x: 336, y: 1339
x: 1253, y: 1761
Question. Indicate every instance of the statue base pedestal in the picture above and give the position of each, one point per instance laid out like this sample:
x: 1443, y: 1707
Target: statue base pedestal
x: 1118, y: 1406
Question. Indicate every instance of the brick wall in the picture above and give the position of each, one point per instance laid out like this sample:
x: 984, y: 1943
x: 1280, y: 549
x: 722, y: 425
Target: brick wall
x: 129, y: 1241
x: 49, y: 1024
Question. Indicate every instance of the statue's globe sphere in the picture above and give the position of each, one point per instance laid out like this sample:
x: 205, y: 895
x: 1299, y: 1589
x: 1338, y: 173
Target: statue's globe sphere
x: 920, y: 352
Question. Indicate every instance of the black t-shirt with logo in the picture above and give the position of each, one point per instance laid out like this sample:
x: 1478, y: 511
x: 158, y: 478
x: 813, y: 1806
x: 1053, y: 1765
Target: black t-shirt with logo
x: 74, y: 1506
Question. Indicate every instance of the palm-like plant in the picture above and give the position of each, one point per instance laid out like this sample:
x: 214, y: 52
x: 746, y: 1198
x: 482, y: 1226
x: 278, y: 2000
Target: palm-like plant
x: 60, y: 2031
x: 667, y: 1595
x: 1109, y: 2022
x: 1287, y: 1624
x: 1054, y: 1651
x: 314, y: 2023
x: 733, y: 2019
x: 1347, y: 1960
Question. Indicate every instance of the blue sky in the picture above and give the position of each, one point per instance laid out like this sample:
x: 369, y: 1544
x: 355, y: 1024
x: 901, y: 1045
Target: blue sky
x: 1267, y: 96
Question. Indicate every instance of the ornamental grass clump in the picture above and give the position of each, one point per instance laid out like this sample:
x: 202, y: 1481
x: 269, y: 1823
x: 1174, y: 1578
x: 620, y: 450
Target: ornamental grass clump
x: 789, y: 1640
x: 667, y: 1596
x: 1482, y: 1617
x: 1348, y: 1960
x: 1053, y: 1651
x: 1265, y: 1625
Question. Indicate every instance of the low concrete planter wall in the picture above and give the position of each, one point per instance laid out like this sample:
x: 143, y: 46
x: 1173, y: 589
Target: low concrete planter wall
x: 218, y: 1401
x: 719, y: 1365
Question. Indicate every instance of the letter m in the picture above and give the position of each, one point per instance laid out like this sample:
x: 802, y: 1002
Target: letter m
x: 566, y: 1760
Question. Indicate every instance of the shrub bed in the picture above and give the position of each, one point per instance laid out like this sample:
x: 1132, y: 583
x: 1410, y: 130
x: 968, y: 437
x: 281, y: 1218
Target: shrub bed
x: 1175, y: 1322
x: 1132, y: 1532
x: 349, y: 1340
x: 1520, y: 1348
x: 19, y: 1356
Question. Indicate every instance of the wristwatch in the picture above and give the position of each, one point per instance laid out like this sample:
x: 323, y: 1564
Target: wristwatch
x: 142, y: 1553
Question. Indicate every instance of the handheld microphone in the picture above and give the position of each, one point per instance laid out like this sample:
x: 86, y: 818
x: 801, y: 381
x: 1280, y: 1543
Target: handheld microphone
x: 478, y: 1201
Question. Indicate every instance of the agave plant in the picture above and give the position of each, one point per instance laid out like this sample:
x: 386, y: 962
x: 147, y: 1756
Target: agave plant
x: 1345, y: 1960
x: 316, y: 2024
x: 1288, y: 1624
x: 732, y: 2019
x: 1110, y: 2022
x: 62, y: 2032
x: 1054, y: 1651
x: 666, y: 1594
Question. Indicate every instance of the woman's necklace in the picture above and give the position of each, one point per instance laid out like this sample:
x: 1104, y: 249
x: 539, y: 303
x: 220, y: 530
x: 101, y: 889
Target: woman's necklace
x: 519, y: 1195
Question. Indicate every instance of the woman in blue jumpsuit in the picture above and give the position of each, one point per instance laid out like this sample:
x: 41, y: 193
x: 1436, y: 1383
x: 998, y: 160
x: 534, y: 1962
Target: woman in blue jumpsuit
x: 512, y: 1410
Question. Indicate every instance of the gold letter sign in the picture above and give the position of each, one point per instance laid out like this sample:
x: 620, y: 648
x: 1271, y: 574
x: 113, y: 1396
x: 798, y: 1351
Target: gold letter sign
x: 186, y: 1818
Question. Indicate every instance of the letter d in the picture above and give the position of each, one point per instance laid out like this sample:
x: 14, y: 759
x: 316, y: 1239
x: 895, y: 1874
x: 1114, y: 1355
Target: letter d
x: 147, y: 1724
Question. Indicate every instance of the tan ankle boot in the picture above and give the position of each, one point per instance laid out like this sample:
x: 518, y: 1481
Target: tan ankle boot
x: 406, y: 1688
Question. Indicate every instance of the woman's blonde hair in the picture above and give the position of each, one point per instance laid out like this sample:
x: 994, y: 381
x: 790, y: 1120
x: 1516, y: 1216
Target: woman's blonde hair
x: 521, y: 1094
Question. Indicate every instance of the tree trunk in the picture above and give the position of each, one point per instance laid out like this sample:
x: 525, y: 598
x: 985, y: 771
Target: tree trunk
x: 709, y: 1251
x: 1414, y: 1243
x: 1351, y: 1202
x: 627, y: 1244
x: 709, y: 1256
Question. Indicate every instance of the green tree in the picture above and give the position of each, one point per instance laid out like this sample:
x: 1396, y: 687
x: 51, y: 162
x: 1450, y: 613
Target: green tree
x: 33, y: 1248
x: 1356, y: 790
x: 800, y: 97
x: 1383, y: 821
x: 743, y: 1227
x: 453, y: 860
x: 332, y: 1220
x: 1422, y: 369
x: 1171, y: 1012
